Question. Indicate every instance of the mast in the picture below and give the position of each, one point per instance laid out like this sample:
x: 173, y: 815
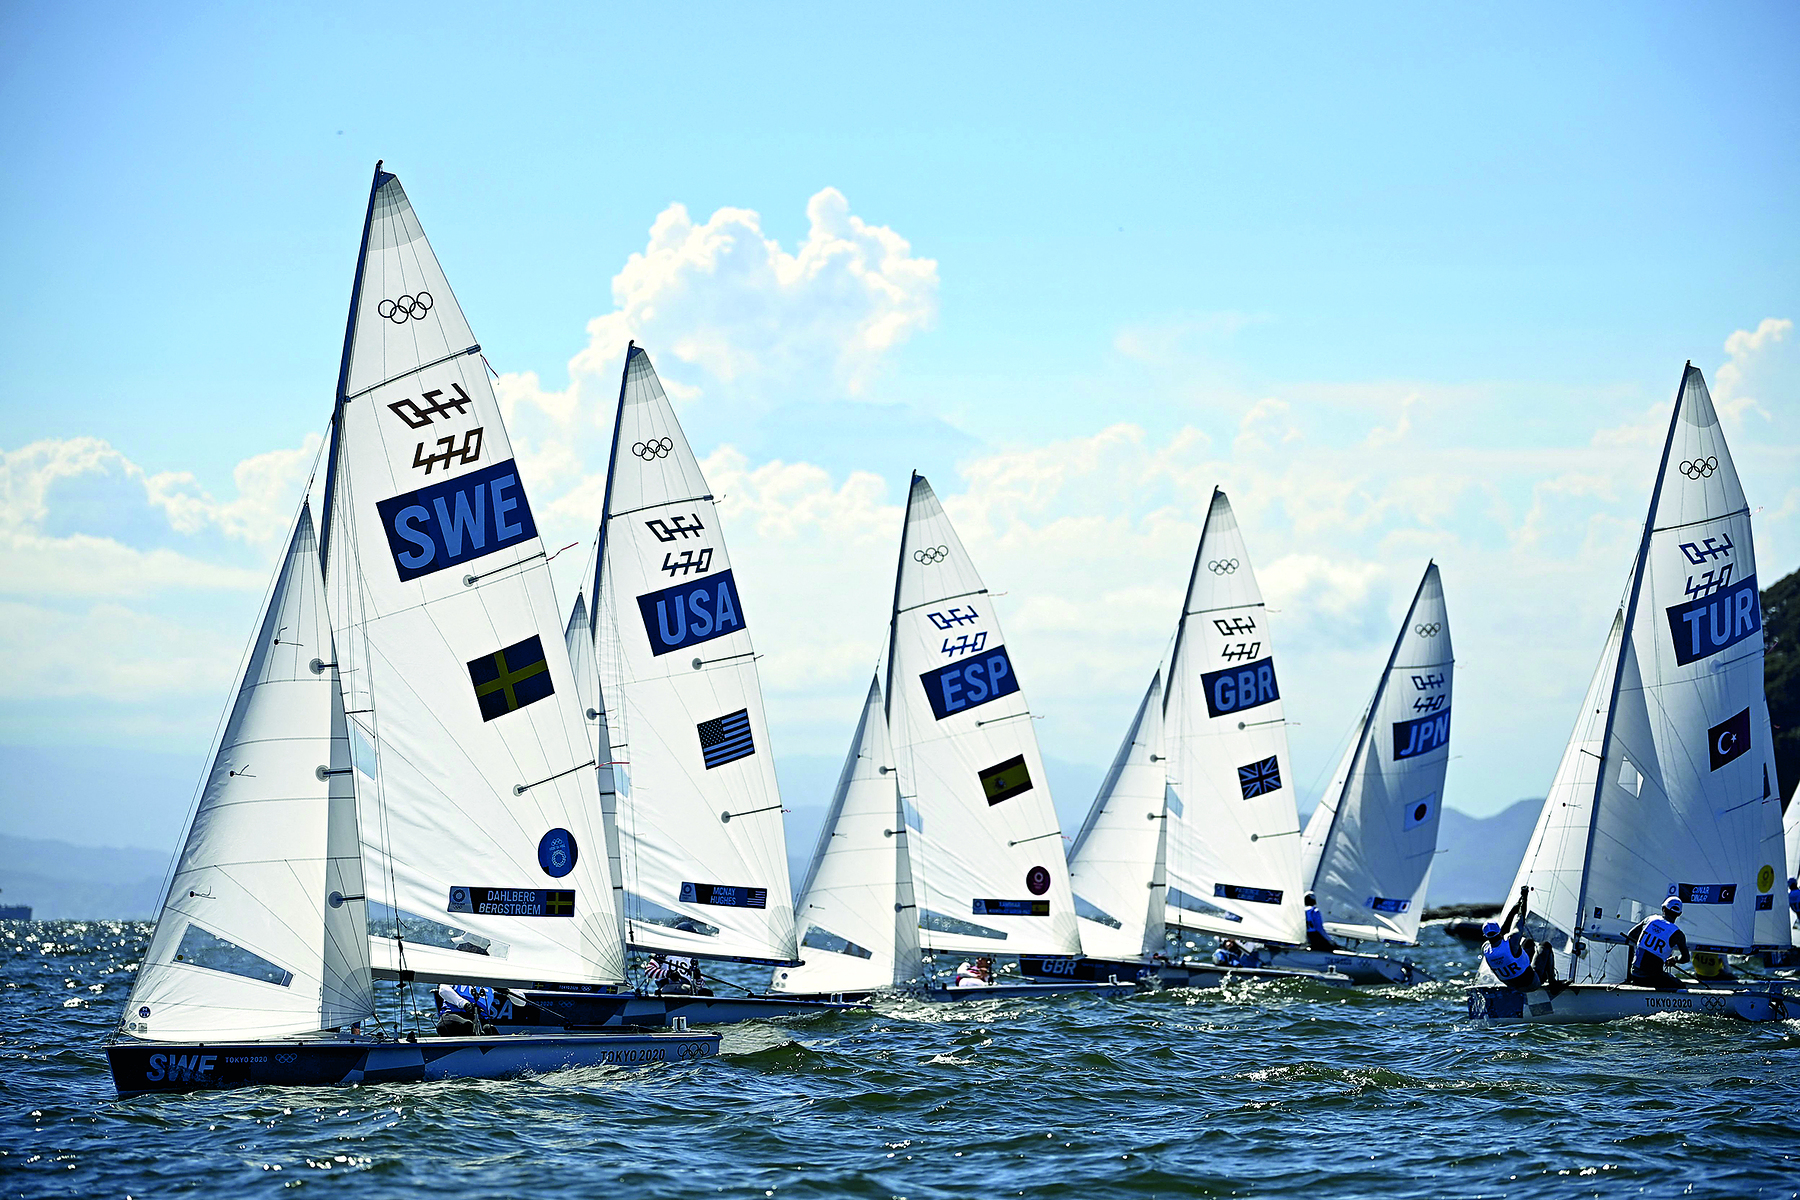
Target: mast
x: 1181, y: 625
x: 337, y: 409
x: 1362, y: 736
x: 1612, y: 696
x: 612, y: 466
x: 887, y: 695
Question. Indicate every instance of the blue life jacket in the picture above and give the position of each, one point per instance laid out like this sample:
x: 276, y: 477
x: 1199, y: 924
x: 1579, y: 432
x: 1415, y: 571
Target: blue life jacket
x: 1315, y: 920
x: 1506, y: 964
x: 481, y: 998
x: 1656, y: 941
x: 1794, y: 900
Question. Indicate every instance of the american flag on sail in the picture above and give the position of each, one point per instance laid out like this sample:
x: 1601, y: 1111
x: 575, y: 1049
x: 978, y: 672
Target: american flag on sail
x: 656, y: 970
x: 726, y: 739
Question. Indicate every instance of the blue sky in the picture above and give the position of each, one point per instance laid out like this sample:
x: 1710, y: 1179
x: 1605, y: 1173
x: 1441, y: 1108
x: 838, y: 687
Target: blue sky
x: 1409, y: 282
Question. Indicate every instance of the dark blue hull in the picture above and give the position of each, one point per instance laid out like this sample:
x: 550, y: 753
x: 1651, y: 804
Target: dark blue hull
x: 1022, y: 991
x: 139, y: 1067
x: 555, y: 1010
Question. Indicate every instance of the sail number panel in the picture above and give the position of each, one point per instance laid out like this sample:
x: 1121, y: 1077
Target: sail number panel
x: 1701, y: 628
x: 456, y: 521
x: 1011, y: 908
x: 969, y: 683
x: 1421, y: 735
x: 692, y: 612
x: 1236, y: 689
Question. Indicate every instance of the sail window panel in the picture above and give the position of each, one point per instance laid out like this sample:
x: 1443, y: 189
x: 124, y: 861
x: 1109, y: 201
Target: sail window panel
x: 201, y: 948
x: 387, y: 921
x: 938, y: 922
x: 647, y: 911
x: 822, y: 939
x: 1090, y: 911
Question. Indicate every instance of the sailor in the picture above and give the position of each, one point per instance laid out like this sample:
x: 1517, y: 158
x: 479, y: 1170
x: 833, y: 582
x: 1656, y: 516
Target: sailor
x: 693, y: 982
x: 1508, y: 956
x: 1653, y: 940
x: 1540, y: 953
x: 1315, y: 926
x: 1794, y: 895
x: 1233, y: 953
x: 1711, y: 967
x: 463, y: 1010
x: 978, y: 974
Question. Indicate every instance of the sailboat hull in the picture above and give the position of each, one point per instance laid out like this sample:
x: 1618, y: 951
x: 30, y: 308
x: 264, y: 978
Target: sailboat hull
x: 138, y: 1068
x: 1360, y: 967
x: 1592, y: 1003
x: 629, y: 1010
x: 1093, y: 970
x: 1182, y: 974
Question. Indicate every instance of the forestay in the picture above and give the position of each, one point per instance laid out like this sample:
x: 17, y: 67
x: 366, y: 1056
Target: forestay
x: 1116, y: 865
x: 1684, y: 802
x: 1369, y: 846
x: 702, y: 853
x: 1234, y: 832
x: 987, y: 852
x: 480, y: 819
x: 859, y: 929
x: 256, y: 938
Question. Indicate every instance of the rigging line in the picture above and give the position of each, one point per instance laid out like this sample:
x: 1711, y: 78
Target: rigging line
x: 455, y: 354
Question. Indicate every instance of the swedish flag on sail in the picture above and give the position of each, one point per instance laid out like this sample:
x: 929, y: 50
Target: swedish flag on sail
x: 507, y: 680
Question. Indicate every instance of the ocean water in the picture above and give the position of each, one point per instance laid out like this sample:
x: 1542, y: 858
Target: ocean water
x: 1263, y: 1090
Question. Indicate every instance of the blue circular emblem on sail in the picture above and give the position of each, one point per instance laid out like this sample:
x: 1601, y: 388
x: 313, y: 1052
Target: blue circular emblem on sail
x: 557, y: 853
x: 1037, y: 881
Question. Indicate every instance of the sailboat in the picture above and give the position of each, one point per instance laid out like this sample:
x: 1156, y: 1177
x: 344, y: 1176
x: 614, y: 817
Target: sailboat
x: 942, y: 838
x: 1367, y: 851
x: 680, y: 745
x: 1666, y: 787
x: 1198, y: 810
x: 402, y: 782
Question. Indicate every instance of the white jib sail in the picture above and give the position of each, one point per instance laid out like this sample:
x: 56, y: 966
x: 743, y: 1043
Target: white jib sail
x: 1116, y: 865
x: 1369, y: 846
x: 1683, y: 803
x: 256, y: 938
x: 1234, y: 832
x: 578, y: 637
x: 480, y: 819
x: 859, y: 928
x: 703, y: 856
x: 987, y: 851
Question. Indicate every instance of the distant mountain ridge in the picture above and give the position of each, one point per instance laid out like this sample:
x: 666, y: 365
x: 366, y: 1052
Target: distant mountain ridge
x: 60, y: 880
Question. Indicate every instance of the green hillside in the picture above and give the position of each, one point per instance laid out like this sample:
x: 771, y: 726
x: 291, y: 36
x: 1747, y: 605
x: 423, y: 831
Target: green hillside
x: 1781, y: 674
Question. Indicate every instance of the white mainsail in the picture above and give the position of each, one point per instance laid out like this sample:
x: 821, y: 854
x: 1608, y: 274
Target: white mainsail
x: 1116, y: 864
x: 480, y: 819
x: 1665, y: 789
x: 578, y: 637
x: 1234, y: 832
x: 256, y: 936
x: 859, y: 928
x: 1368, y: 848
x: 986, y: 848
x: 703, y: 857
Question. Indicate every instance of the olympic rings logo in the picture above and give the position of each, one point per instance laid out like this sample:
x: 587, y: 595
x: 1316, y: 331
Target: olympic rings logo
x: 284, y: 1059
x: 931, y: 555
x: 654, y: 448
x: 1431, y: 630
x: 406, y: 308
x: 1700, y: 468
x: 1222, y: 566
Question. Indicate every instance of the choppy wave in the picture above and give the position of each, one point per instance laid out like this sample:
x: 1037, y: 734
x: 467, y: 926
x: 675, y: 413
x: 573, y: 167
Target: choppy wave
x: 1275, y: 1089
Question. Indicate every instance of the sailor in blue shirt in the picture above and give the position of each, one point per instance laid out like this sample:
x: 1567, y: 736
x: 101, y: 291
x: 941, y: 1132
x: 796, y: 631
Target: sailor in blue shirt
x: 1316, y: 937
x: 1794, y: 896
x: 1508, y: 956
x: 462, y: 1009
x: 1654, y: 941
x: 1233, y: 953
